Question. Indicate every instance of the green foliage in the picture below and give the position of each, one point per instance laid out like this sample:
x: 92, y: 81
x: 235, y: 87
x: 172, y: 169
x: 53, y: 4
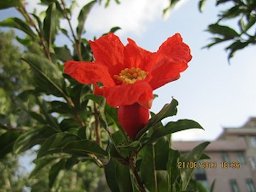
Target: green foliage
x: 243, y: 12
x: 82, y: 17
x: 50, y: 24
x: 238, y: 36
x: 172, y: 3
x: 9, y: 3
x: 18, y: 24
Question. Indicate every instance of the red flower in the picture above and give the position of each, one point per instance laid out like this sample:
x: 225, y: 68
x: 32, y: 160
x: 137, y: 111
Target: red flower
x: 129, y: 74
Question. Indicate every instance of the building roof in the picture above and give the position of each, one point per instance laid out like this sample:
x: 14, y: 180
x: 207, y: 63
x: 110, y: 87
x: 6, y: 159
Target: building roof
x: 249, y: 128
x: 215, y: 146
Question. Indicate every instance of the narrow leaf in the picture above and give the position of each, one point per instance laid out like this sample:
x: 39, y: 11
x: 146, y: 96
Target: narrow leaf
x: 54, y: 172
x: 17, y: 23
x: 4, y: 4
x: 147, y: 169
x: 110, y: 174
x: 201, y: 5
x: 167, y: 111
x: 193, y: 156
x: 7, y: 141
x: 56, y: 143
x: 40, y: 164
x: 31, y: 138
x: 63, y: 53
x: 50, y: 24
x: 222, y: 30
x: 82, y: 17
x: 173, y: 170
x: 83, y: 147
x: 173, y: 127
x: 47, y: 76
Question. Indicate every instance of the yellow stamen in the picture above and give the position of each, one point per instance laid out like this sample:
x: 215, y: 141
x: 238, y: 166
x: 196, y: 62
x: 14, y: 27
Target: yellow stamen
x: 131, y: 75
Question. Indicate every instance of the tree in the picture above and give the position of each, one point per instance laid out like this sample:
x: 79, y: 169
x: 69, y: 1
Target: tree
x: 223, y: 30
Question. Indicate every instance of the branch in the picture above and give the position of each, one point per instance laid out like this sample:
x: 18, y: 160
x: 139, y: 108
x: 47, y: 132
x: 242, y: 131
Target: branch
x: 76, y: 42
x: 138, y: 180
x: 30, y: 21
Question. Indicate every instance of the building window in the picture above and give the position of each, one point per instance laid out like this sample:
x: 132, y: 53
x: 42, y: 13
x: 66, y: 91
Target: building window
x: 241, y: 158
x: 253, y: 141
x: 250, y: 185
x: 234, y: 186
x: 225, y: 156
x: 200, y: 176
x: 252, y: 161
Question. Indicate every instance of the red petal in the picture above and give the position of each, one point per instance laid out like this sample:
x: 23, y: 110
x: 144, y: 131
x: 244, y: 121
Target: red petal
x: 171, y: 59
x: 136, y: 56
x: 108, y: 50
x: 132, y: 118
x: 88, y: 73
x: 128, y: 94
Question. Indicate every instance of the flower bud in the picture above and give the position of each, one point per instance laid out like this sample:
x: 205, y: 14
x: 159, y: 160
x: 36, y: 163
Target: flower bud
x: 133, y: 118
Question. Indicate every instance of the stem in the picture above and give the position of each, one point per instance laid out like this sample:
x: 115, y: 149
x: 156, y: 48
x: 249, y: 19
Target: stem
x: 138, y: 180
x: 76, y: 114
x: 76, y: 42
x: 24, y: 12
x: 96, y: 116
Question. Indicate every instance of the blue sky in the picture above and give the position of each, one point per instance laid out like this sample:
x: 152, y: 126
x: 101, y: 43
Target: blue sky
x: 210, y: 91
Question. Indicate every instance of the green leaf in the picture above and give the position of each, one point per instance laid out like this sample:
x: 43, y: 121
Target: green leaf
x: 7, y: 141
x: 37, y: 116
x: 251, y: 22
x: 193, y: 156
x: 173, y: 170
x: 161, y: 154
x: 70, y: 123
x: 54, y: 172
x: 83, y: 147
x: 237, y: 45
x: 147, y: 168
x: 83, y: 16
x: 4, y: 4
x: 63, y: 53
x: 112, y: 30
x: 17, y: 23
x: 173, y: 127
x: 215, y: 40
x: 118, y: 176
x: 50, y: 24
x: 40, y: 164
x: 56, y: 143
x: 110, y: 175
x: 123, y: 178
x: 225, y: 31
x: 213, y: 185
x: 167, y: 111
x: 171, y: 5
x: 31, y: 138
x: 46, y: 75
x: 59, y: 107
x: 201, y: 5
x: 69, y: 143
x: 162, y: 180
x: 231, y: 13
x: 39, y: 22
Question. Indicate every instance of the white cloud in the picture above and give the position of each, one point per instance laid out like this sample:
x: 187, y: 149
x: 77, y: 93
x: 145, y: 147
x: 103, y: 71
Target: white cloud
x: 132, y: 16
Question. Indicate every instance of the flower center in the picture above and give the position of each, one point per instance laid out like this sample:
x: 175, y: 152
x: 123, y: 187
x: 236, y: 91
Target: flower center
x: 131, y: 75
